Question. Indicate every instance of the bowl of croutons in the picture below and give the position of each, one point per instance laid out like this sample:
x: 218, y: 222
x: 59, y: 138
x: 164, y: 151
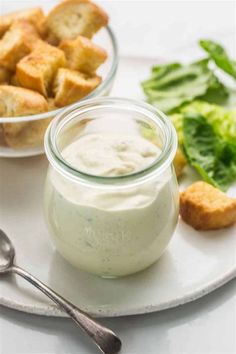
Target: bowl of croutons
x: 50, y: 60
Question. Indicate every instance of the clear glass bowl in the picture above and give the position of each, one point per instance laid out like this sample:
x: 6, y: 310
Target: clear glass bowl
x: 118, y: 225
x: 29, y: 141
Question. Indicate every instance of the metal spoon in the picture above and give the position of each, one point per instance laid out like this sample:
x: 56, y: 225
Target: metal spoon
x: 103, y: 337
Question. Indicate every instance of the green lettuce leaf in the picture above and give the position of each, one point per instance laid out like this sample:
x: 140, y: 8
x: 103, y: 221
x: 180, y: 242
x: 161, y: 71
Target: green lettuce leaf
x: 172, y: 85
x: 207, y: 152
x: 222, y: 120
x: 220, y: 56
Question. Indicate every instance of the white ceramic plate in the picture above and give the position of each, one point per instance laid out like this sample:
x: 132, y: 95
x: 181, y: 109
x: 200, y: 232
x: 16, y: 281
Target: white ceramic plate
x: 195, y: 263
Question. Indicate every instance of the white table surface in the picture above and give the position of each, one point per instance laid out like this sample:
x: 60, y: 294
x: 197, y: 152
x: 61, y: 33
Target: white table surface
x: 206, y: 326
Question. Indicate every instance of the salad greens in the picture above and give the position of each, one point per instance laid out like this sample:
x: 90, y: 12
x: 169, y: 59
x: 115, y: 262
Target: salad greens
x: 172, y: 85
x: 220, y: 57
x: 222, y: 120
x: 207, y: 152
x: 194, y: 98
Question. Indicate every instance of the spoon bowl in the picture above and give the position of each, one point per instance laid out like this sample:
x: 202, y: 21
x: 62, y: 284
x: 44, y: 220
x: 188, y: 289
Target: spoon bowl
x: 103, y: 337
x: 7, y: 253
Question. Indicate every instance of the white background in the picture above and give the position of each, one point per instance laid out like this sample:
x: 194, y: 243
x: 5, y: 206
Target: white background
x: 207, y: 326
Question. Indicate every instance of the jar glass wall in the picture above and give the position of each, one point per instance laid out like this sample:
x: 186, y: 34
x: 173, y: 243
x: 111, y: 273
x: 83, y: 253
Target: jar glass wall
x: 111, y: 225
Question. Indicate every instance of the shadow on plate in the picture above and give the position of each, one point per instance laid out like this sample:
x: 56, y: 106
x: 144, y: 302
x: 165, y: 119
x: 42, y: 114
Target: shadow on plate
x: 95, y: 294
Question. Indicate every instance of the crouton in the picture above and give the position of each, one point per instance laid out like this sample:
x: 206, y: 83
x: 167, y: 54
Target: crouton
x: 52, y: 40
x: 16, y: 102
x: 82, y: 54
x: 18, y: 42
x: 31, y: 134
x: 207, y: 208
x: 76, y: 17
x: 4, y: 76
x: 70, y: 86
x: 179, y: 163
x: 34, y: 16
x: 51, y: 104
x: 14, y: 81
x: 2, y: 140
x: 37, y: 70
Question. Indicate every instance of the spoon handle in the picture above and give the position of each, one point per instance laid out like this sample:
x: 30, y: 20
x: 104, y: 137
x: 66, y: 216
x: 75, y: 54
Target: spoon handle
x: 103, y: 337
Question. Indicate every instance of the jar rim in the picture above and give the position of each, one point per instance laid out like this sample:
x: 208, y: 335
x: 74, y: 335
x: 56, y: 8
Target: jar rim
x: 157, y: 117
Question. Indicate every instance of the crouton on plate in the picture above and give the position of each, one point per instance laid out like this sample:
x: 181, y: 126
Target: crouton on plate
x: 71, y: 18
x: 82, y: 54
x: 37, y: 70
x: 179, y: 163
x: 70, y: 86
x: 34, y: 16
x: 207, y: 208
x: 17, y: 42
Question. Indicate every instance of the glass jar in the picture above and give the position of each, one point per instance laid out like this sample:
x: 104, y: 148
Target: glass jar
x: 111, y: 225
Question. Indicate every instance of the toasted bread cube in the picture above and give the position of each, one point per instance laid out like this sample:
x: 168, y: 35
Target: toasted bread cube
x: 51, y: 104
x: 52, y: 40
x: 207, y: 208
x: 2, y: 140
x: 37, y: 70
x: 179, y: 163
x: 4, y: 76
x: 70, y: 86
x: 14, y: 81
x: 16, y: 102
x: 18, y: 42
x: 31, y: 134
x: 82, y: 54
x: 76, y: 17
x: 34, y: 16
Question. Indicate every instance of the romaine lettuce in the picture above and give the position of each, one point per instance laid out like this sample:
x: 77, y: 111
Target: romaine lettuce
x: 220, y: 56
x: 172, y: 85
x: 207, y: 152
x: 222, y: 120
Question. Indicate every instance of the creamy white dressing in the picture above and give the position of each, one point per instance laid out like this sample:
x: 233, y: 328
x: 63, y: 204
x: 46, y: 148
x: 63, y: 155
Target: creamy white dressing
x: 111, y: 231
x: 111, y: 155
